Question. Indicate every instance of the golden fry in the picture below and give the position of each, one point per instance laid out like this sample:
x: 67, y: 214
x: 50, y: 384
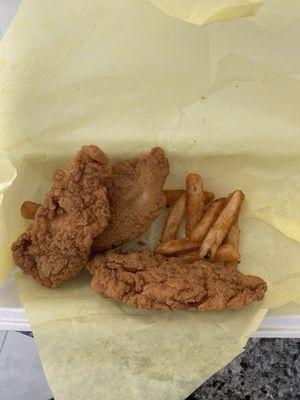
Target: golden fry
x: 221, y: 226
x: 209, y: 217
x: 233, y: 238
x: 28, y: 209
x: 190, y: 257
x: 172, y: 195
x: 208, y: 197
x: 173, y: 220
x: 194, y: 202
x: 176, y: 247
x: 227, y: 253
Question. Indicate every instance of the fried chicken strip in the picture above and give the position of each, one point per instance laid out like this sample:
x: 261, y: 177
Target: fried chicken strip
x: 155, y: 282
x: 56, y: 247
x: 135, y: 194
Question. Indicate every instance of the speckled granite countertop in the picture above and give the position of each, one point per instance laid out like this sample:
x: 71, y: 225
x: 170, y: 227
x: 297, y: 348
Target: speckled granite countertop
x: 268, y: 369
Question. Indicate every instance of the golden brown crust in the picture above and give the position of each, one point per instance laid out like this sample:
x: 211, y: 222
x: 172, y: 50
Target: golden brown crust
x: 155, y: 282
x: 28, y: 209
x: 136, y: 197
x: 55, y: 248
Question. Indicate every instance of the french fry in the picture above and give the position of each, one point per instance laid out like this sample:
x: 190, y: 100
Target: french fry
x: 233, y: 239
x: 172, y: 195
x: 208, y: 197
x: 221, y: 226
x: 233, y: 236
x: 209, y: 217
x: 190, y: 257
x: 177, y: 247
x: 173, y: 220
x: 194, y: 202
x: 227, y: 253
x: 28, y: 209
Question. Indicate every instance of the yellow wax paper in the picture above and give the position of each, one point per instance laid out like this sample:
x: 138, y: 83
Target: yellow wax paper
x: 200, y: 12
x: 222, y: 99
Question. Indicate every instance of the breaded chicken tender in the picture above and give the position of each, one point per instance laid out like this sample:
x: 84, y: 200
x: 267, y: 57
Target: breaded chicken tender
x: 135, y: 194
x: 156, y: 282
x: 56, y: 247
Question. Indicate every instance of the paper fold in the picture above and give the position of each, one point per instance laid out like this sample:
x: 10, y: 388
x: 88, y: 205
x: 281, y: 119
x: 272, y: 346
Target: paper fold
x: 203, y: 12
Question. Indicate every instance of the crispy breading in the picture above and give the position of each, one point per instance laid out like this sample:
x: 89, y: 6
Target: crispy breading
x: 136, y: 197
x: 56, y: 247
x: 156, y: 282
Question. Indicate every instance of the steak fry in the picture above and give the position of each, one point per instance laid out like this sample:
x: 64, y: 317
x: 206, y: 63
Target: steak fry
x: 209, y: 217
x: 172, y: 195
x: 194, y: 202
x: 177, y: 246
x: 155, y: 282
x: 174, y: 219
x: 186, y: 247
x: 227, y: 253
x: 233, y: 239
x: 221, y: 226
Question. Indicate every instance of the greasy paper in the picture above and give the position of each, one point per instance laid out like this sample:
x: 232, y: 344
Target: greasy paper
x: 221, y: 99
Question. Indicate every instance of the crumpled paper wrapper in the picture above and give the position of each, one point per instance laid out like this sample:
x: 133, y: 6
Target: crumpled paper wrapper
x: 222, y: 99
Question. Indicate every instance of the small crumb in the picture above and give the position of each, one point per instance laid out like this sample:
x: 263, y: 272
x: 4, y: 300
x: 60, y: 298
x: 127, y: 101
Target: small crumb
x: 141, y: 243
x: 203, y: 98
